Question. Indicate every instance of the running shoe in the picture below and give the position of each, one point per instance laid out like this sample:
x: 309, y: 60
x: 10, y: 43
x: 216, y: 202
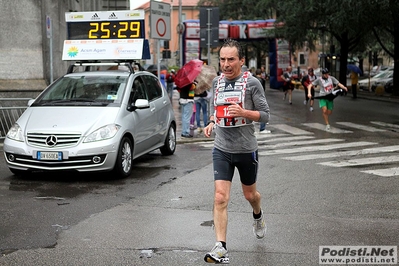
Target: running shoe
x: 265, y: 131
x: 218, y: 254
x: 305, y: 102
x: 260, y: 227
x: 328, y: 128
x: 311, y: 108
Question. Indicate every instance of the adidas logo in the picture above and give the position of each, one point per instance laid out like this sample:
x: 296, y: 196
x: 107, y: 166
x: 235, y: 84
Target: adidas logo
x: 229, y: 87
x: 112, y: 16
x: 95, y: 16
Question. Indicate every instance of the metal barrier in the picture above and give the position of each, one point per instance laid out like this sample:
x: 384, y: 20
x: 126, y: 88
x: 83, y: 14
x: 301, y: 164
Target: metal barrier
x: 10, y: 111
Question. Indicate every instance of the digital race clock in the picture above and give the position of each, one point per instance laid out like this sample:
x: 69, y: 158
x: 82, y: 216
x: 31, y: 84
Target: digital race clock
x: 105, y: 35
x: 105, y: 25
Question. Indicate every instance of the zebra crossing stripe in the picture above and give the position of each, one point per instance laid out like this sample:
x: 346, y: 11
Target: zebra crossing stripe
x: 317, y: 148
x: 384, y: 124
x: 297, y: 143
x: 363, y: 161
x: 291, y: 130
x: 333, y: 130
x: 268, y: 136
x: 384, y: 172
x: 343, y: 153
x: 362, y: 127
x: 284, y: 139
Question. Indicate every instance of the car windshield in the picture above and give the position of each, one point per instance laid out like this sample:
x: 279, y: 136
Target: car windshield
x: 84, y: 90
x: 383, y: 74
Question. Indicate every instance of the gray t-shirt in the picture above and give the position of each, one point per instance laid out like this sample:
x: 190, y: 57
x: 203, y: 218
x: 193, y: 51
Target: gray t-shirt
x: 326, y: 85
x: 242, y: 139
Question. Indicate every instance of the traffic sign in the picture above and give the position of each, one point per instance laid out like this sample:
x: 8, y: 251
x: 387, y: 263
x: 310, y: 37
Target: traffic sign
x: 48, y: 27
x: 160, y: 20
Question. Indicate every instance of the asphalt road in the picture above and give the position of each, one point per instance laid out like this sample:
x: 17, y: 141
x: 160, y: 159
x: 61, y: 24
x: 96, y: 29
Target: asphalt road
x: 163, y: 214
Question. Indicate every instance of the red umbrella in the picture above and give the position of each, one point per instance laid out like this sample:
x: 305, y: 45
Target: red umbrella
x: 188, y: 73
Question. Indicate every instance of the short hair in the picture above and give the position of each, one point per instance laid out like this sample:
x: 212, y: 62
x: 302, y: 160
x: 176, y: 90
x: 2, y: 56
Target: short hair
x: 233, y: 43
x: 258, y: 71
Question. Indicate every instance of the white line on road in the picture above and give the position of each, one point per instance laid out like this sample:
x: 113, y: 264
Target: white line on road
x: 333, y: 130
x: 343, y: 153
x: 291, y: 130
x: 317, y: 148
x: 300, y: 143
x: 363, y: 161
x: 362, y: 127
x: 285, y: 139
x: 384, y: 124
x: 384, y: 172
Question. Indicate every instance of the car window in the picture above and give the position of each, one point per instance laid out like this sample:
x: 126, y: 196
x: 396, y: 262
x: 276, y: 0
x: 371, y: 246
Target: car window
x: 138, y: 91
x: 153, y: 87
x: 84, y: 90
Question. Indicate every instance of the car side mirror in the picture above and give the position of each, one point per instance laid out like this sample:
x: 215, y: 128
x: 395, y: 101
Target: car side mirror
x: 139, y: 104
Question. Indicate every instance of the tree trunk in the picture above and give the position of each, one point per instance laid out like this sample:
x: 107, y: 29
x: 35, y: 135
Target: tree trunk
x: 343, y: 59
x: 395, y: 90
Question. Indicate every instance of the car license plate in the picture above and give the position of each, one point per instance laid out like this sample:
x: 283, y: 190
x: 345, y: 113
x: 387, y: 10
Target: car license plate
x: 51, y: 156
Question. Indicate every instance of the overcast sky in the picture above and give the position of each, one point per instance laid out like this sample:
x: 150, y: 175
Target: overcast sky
x: 136, y: 3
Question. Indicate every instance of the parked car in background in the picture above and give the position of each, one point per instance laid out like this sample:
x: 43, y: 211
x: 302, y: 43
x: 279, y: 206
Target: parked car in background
x: 365, y: 84
x: 383, y: 81
x: 389, y: 86
x: 92, y: 121
x: 378, y: 69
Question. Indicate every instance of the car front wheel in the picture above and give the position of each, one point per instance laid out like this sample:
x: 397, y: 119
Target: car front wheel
x: 169, y: 146
x: 124, y: 160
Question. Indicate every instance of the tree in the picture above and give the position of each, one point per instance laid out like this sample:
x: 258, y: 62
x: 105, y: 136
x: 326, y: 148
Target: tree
x: 245, y: 10
x: 386, y: 29
x: 346, y: 22
x: 309, y: 20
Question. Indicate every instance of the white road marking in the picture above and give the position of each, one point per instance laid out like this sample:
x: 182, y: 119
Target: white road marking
x: 317, y: 148
x: 343, y: 153
x: 285, y: 139
x: 384, y: 124
x: 299, y: 143
x: 362, y: 127
x: 363, y: 161
x: 333, y: 130
x: 384, y: 172
x: 291, y: 130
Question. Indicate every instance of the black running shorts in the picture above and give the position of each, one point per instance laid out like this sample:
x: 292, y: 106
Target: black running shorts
x: 224, y: 164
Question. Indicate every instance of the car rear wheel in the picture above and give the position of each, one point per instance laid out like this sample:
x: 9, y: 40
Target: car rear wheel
x: 170, y: 142
x: 124, y: 160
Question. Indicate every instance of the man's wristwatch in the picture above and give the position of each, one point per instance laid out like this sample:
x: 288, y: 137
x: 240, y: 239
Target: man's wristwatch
x: 210, y: 121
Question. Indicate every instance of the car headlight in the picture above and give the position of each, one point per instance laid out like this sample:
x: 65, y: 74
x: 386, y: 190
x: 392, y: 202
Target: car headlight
x: 106, y: 132
x: 15, y: 133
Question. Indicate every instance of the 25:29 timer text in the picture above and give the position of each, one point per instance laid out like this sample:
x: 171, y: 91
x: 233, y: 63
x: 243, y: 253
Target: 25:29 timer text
x: 119, y: 30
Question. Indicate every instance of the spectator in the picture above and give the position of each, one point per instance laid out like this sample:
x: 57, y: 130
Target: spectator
x: 170, y: 81
x: 187, y: 103
x: 354, y: 80
x: 201, y: 103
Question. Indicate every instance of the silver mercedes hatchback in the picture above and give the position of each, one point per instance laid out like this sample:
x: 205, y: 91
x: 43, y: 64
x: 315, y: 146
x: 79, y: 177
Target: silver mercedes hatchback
x: 93, y: 121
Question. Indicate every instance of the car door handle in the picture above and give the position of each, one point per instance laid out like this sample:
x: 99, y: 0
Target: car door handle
x: 153, y: 109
